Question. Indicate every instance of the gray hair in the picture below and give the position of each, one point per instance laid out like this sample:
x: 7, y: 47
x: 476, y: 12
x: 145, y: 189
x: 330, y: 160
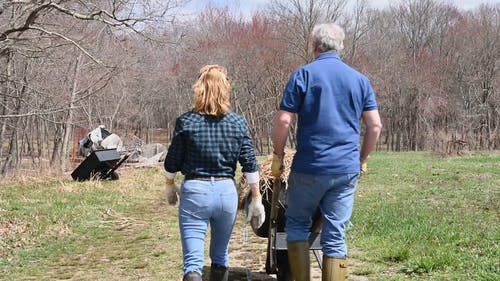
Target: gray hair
x: 328, y: 37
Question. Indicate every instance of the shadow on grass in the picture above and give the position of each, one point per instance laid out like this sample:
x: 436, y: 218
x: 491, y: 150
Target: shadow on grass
x: 240, y: 274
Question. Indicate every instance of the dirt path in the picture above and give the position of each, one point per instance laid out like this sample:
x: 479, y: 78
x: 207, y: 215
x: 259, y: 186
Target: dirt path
x: 248, y: 258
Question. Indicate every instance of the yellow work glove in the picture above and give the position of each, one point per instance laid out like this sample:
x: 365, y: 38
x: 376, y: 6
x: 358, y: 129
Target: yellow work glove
x: 256, y: 213
x: 171, y: 191
x: 364, y: 166
x: 277, y: 167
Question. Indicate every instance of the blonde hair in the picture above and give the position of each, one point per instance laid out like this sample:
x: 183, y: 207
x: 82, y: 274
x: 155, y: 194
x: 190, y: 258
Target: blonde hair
x: 211, y: 91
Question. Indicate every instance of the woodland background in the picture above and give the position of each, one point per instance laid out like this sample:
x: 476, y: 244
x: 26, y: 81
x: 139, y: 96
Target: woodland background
x: 130, y: 65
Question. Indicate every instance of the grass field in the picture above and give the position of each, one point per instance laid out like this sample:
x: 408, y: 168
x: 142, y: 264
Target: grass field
x: 417, y: 216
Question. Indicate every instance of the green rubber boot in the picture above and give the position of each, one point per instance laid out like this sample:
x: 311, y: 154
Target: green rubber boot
x: 334, y: 269
x: 298, y: 257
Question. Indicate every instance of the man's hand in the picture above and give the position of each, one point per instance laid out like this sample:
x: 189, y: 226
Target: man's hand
x: 364, y: 165
x: 256, y: 213
x: 171, y: 191
x: 277, y: 167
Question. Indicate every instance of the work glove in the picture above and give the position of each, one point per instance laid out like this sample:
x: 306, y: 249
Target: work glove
x: 256, y: 213
x: 277, y: 167
x: 171, y: 191
x: 364, y: 166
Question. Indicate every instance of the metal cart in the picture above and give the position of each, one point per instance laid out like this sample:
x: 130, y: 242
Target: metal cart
x: 273, y: 228
x: 100, y: 165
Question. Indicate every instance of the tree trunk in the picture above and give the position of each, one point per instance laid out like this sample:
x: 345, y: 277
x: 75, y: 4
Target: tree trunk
x: 8, y: 71
x: 68, y: 124
x: 56, y: 156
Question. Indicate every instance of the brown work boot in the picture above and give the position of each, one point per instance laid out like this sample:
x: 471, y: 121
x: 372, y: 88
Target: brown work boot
x: 298, y: 257
x: 334, y: 269
x: 192, y: 276
x: 218, y: 272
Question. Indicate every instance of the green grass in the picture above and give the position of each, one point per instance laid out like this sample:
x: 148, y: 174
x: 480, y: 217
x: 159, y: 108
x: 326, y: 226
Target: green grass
x: 429, y: 218
x: 89, y: 231
x: 417, y: 216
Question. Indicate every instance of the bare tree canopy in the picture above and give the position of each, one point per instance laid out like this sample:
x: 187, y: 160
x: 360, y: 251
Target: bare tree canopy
x: 130, y: 65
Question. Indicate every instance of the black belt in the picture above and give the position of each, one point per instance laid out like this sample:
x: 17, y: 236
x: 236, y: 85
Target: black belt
x: 206, y: 178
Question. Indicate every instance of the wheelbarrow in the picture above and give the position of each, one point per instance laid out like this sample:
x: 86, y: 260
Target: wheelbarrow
x: 100, y: 165
x: 273, y: 228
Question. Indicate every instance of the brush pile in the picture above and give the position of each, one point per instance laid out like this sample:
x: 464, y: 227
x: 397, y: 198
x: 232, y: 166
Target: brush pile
x: 266, y: 179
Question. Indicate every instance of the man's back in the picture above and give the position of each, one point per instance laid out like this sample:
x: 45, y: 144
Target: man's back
x: 329, y: 98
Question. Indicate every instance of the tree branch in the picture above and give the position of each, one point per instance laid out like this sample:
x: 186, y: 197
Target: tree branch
x: 69, y: 40
x: 99, y: 15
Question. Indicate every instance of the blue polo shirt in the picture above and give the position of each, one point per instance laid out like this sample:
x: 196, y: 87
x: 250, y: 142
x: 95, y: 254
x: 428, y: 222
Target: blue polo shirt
x: 329, y: 97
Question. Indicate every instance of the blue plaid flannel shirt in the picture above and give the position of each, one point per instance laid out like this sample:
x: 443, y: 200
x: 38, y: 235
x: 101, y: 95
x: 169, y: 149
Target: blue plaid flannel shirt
x: 208, y: 146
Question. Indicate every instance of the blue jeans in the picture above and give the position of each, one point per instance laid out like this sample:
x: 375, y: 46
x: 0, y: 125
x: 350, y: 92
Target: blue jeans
x: 334, y: 195
x: 203, y: 203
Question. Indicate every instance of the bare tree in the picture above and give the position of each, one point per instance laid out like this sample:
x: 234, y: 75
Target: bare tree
x: 357, y: 24
x: 477, y: 77
x: 130, y: 65
x: 42, y: 32
x: 296, y: 19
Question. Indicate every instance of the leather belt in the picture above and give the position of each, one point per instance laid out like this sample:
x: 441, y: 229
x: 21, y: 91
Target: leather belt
x: 206, y: 178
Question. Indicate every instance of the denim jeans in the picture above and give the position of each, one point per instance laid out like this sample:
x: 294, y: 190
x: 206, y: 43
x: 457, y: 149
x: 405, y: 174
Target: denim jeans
x: 334, y: 195
x: 203, y: 203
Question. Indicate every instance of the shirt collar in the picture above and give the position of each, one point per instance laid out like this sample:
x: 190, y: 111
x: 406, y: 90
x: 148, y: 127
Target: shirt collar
x: 327, y: 55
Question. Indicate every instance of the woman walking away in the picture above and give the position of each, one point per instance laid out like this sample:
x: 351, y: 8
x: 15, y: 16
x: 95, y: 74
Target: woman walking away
x: 207, y: 143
